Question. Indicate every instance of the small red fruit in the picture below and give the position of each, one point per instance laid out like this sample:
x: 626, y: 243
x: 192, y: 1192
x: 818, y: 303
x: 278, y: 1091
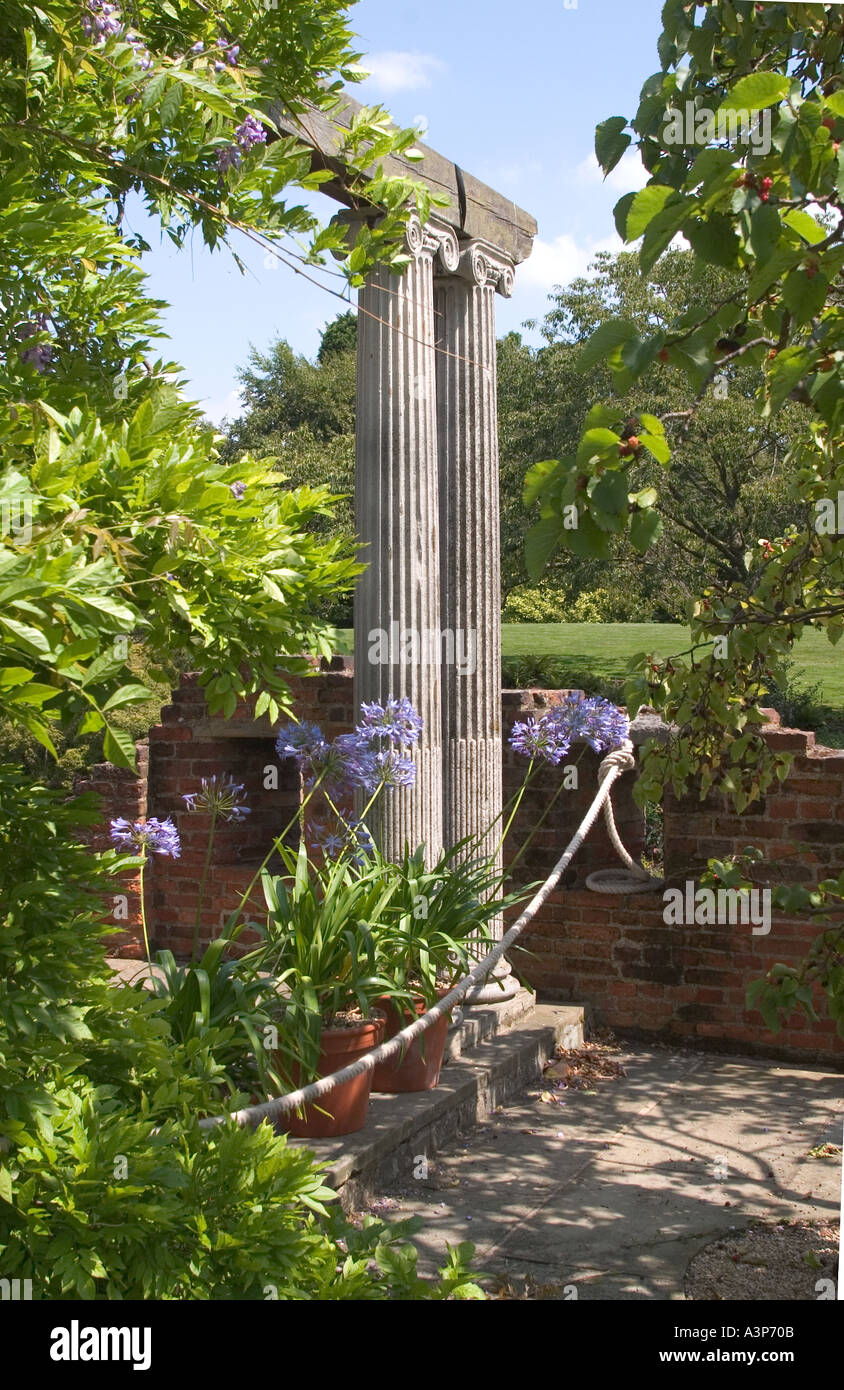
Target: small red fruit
x: 829, y: 122
x: 628, y: 446
x: 663, y: 354
x: 772, y: 354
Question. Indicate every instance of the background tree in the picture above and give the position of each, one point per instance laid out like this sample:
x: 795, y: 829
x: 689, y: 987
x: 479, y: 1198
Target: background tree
x: 769, y: 212
x: 728, y: 480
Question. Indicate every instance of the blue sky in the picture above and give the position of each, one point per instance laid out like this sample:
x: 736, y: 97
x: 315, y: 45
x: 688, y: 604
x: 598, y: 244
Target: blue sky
x: 512, y: 93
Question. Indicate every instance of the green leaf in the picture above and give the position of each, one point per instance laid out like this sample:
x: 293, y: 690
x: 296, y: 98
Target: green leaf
x: 598, y: 443
x: 805, y: 295
x: 657, y: 446
x: 644, y: 208
x: 714, y: 239
x: 765, y: 230
x: 540, y: 543
x: 539, y: 477
x: 133, y: 694
x: 603, y: 341
x: 805, y: 225
x: 645, y: 528
x: 119, y: 748
x: 610, y: 492
x: 611, y: 142
x: 757, y: 90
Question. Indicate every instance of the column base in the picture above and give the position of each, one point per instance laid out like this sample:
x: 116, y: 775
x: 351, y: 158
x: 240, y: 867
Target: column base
x: 499, y: 985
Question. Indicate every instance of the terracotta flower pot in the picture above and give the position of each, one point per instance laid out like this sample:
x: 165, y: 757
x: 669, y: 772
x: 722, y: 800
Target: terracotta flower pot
x: 343, y: 1110
x: 418, y: 1067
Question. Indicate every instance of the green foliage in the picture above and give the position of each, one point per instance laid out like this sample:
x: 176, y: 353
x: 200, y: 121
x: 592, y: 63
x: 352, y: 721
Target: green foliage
x: 124, y: 520
x: 437, y: 920
x: 731, y: 465
x: 122, y: 523
x: 765, y: 214
x: 108, y: 1188
x: 322, y: 946
x: 301, y: 414
x: 747, y: 212
x: 543, y: 603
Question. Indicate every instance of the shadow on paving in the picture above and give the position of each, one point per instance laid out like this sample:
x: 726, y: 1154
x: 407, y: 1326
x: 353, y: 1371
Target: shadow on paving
x: 612, y: 1193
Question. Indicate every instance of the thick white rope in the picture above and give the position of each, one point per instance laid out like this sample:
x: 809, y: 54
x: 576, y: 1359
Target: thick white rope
x: 621, y: 760
x: 632, y: 878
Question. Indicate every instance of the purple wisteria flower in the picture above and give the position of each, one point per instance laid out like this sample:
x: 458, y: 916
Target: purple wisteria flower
x: 237, y: 490
x: 220, y: 796
x: 152, y: 836
x: 102, y: 21
x: 39, y: 356
x: 539, y: 738
x: 228, y: 55
x: 228, y: 158
x: 250, y: 133
x: 396, y: 720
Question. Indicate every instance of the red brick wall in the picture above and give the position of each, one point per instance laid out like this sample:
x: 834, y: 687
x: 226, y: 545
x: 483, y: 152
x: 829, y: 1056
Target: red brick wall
x: 121, y: 793
x: 614, y: 954
x: 637, y: 974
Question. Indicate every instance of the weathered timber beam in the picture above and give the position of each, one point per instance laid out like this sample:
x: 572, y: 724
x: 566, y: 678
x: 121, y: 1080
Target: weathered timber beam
x: 474, y: 210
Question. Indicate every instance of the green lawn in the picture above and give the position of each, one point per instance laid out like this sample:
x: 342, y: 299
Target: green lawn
x: 605, y: 649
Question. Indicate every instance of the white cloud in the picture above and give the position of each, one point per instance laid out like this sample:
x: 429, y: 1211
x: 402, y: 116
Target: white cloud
x: 217, y: 411
x: 401, y: 71
x: 560, y: 261
x: 628, y: 174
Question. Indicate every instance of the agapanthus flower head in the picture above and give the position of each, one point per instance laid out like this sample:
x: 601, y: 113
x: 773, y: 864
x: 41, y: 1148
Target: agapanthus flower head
x: 329, y: 841
x: 300, y: 741
x: 228, y: 158
x: 395, y: 720
x: 393, y: 770
x: 250, y: 133
x: 540, y: 738
x: 592, y: 719
x: 220, y: 796
x: 150, y: 836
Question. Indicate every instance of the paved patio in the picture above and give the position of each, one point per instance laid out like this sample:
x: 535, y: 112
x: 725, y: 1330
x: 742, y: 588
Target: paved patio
x: 612, y: 1193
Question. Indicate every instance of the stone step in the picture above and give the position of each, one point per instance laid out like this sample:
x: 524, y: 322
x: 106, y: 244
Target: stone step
x: 493, y: 1058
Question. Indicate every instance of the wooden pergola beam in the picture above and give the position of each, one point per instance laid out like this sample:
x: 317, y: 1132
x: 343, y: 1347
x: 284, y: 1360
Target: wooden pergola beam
x: 474, y: 210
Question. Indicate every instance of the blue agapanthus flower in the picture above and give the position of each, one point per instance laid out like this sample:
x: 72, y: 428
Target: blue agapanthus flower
x: 596, y: 721
x: 575, y: 718
x: 153, y: 835
x: 539, y: 738
x: 219, y: 796
x: 395, y: 720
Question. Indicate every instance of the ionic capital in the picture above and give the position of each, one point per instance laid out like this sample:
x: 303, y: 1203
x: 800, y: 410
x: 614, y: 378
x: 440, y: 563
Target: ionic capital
x: 484, y: 265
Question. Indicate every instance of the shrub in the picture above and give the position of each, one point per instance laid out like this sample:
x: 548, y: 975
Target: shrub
x: 108, y: 1187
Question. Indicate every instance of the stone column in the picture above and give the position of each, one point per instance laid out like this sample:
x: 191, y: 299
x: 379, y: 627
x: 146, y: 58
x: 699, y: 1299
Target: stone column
x: 470, y: 563
x: 397, y: 600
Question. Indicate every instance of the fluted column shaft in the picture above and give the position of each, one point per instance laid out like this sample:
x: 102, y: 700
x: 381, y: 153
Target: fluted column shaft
x: 470, y: 555
x: 397, y: 600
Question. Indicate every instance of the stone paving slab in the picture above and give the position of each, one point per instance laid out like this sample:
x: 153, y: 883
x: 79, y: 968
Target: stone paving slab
x: 614, y: 1192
